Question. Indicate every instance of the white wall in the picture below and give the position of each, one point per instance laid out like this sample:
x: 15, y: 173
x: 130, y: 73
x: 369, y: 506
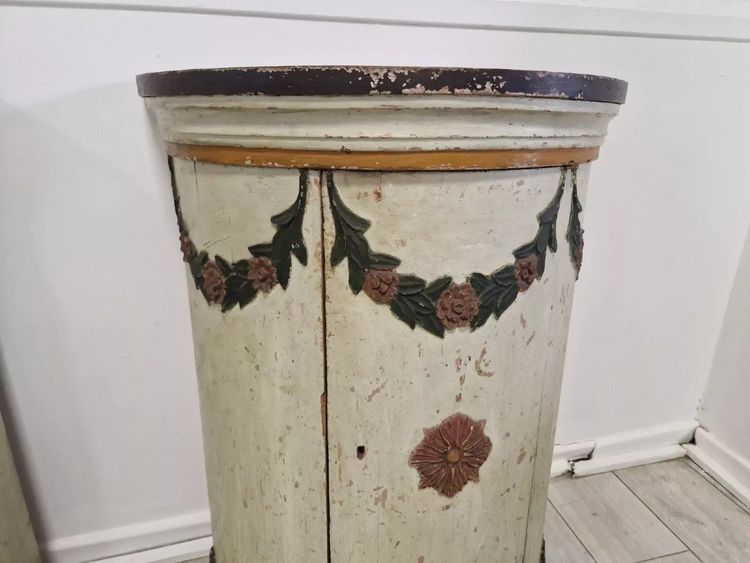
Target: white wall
x: 725, y: 408
x: 94, y: 326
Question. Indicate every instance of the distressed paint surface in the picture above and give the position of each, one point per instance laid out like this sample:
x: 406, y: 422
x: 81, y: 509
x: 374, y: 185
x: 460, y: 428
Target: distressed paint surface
x: 260, y: 372
x: 411, y: 123
x: 371, y: 80
x: 387, y: 382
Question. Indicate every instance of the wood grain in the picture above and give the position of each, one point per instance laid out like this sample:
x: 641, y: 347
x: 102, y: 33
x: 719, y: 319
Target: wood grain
x: 610, y: 521
x: 562, y: 546
x: 384, y: 160
x: 710, y: 524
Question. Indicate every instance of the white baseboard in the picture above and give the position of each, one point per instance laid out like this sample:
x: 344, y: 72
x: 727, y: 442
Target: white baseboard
x: 617, y: 451
x: 723, y: 464
x: 565, y: 455
x: 187, y: 536
x: 130, y: 539
x: 175, y: 553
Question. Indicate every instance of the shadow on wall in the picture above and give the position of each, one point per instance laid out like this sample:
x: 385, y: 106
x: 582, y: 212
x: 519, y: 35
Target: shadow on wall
x: 724, y: 407
x: 94, y: 323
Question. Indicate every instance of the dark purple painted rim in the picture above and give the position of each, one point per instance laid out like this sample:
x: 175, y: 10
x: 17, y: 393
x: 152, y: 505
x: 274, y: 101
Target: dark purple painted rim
x: 365, y: 81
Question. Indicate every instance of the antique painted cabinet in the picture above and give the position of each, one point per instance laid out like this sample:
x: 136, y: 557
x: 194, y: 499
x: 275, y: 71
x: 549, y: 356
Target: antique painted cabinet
x: 381, y: 266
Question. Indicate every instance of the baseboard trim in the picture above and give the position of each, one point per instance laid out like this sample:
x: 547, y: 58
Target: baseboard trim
x: 565, y: 455
x: 175, y: 553
x: 722, y: 463
x: 187, y: 536
x: 131, y: 539
x: 627, y: 449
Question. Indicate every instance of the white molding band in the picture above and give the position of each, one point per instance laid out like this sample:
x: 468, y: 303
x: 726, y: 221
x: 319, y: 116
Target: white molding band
x: 720, y: 20
x: 722, y: 463
x: 130, y: 539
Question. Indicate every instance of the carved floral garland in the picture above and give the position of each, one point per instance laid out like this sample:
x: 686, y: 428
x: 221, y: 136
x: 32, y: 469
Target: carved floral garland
x: 442, y: 304
x: 238, y: 283
x: 436, y: 306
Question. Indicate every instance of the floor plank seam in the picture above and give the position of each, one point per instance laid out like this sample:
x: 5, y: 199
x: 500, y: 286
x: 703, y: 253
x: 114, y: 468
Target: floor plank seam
x: 715, y: 484
x: 660, y: 557
x: 572, y: 531
x: 667, y: 526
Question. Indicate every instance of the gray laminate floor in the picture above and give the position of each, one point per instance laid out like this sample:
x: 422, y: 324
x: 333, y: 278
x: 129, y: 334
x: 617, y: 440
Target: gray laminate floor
x: 668, y: 512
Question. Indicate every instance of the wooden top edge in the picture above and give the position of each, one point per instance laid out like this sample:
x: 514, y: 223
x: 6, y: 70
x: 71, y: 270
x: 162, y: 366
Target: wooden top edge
x: 369, y: 80
x: 439, y: 160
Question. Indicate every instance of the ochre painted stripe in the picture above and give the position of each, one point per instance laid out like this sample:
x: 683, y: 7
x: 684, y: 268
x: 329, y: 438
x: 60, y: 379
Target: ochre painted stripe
x: 384, y: 160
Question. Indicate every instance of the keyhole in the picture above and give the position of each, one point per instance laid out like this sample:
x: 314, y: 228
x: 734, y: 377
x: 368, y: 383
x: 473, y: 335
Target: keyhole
x: 360, y: 452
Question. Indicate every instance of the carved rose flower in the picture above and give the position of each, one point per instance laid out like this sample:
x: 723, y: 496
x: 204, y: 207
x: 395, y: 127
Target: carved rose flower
x: 457, y: 306
x: 187, y: 247
x: 578, y: 257
x: 213, y: 284
x: 381, y: 285
x: 526, y: 271
x: 262, y: 274
x: 451, y: 454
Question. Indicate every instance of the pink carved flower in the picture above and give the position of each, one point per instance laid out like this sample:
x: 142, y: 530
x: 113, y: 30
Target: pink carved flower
x: 213, y: 282
x: 457, y: 306
x: 451, y: 454
x: 381, y: 285
x: 262, y: 274
x: 526, y: 271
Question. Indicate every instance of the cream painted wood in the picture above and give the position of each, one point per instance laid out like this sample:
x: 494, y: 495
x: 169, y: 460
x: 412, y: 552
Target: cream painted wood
x: 260, y: 372
x: 373, y: 123
x: 17, y: 541
x: 386, y: 382
x: 562, y: 546
x: 676, y: 494
x: 610, y: 521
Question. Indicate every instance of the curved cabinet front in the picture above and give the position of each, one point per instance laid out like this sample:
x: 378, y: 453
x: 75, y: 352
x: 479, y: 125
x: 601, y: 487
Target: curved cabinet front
x: 381, y: 266
x: 381, y: 349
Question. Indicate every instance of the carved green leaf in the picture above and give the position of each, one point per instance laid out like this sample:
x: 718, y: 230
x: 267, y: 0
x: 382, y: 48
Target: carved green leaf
x: 383, y: 261
x: 435, y: 289
x: 356, y: 276
x: 246, y: 294
x: 505, y: 300
x: 261, y: 250
x: 283, y: 269
x: 431, y: 324
x: 408, y: 285
x: 400, y: 307
x: 420, y: 303
x: 479, y: 282
x: 485, y: 310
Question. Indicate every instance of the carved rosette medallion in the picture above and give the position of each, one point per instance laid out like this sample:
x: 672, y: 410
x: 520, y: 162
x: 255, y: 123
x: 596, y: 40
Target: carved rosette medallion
x: 451, y: 454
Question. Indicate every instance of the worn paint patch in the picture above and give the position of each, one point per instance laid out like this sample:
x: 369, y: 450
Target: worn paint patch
x: 375, y: 391
x: 480, y: 364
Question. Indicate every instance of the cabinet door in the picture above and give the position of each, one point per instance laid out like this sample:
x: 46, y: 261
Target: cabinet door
x: 260, y: 361
x: 387, y: 383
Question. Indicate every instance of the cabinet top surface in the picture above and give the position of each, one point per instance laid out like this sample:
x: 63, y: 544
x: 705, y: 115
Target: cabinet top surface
x: 370, y: 80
